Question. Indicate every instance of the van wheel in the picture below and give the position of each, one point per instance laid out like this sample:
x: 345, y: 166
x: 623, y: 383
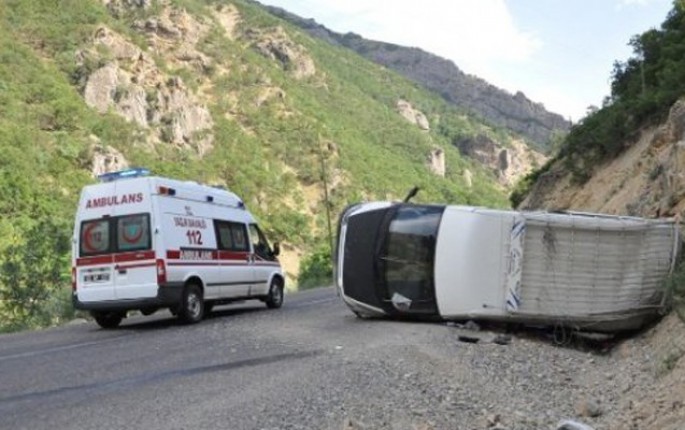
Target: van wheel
x: 274, y: 299
x: 192, y: 307
x: 108, y: 320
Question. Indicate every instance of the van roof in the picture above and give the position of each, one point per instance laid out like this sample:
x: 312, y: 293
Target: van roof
x: 188, y: 190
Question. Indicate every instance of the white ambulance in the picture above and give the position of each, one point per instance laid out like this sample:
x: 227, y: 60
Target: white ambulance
x: 146, y: 243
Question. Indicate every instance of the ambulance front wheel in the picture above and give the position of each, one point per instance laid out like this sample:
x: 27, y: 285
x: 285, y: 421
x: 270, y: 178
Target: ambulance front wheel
x: 274, y: 299
x: 192, y: 307
x: 108, y: 320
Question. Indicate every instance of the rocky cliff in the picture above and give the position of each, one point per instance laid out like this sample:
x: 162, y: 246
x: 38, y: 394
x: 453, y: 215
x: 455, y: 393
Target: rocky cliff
x: 515, y: 112
x: 648, y: 179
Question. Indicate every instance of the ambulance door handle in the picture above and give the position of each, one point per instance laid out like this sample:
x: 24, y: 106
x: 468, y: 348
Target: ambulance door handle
x: 121, y: 270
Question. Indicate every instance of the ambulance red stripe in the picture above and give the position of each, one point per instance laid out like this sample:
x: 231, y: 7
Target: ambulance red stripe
x: 134, y: 266
x: 174, y: 254
x: 115, y: 258
x: 134, y: 256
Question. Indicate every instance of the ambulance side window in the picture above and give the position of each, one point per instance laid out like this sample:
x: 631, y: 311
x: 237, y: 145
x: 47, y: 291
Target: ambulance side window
x: 95, y: 238
x: 231, y: 236
x: 133, y: 232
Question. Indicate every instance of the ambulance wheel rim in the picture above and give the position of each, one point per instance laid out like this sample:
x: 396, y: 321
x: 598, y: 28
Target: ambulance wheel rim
x: 193, y: 305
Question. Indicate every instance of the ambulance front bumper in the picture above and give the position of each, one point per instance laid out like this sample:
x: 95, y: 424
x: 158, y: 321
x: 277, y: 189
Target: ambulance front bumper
x: 168, y: 295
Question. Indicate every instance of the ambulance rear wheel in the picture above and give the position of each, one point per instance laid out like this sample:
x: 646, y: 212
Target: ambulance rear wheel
x: 274, y: 299
x: 192, y: 307
x: 108, y: 320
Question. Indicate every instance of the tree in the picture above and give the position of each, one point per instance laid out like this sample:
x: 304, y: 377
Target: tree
x: 33, y: 277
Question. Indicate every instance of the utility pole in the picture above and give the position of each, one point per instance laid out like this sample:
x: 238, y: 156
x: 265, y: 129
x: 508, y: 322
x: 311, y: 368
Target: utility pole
x: 324, y: 180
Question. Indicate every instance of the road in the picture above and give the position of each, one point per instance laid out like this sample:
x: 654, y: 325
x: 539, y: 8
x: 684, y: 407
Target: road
x: 243, y: 367
x: 155, y: 373
x: 309, y: 365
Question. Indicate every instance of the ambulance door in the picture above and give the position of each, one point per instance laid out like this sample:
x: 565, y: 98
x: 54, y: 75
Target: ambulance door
x: 134, y: 270
x: 237, y: 271
x: 135, y: 273
x: 264, y: 261
x: 95, y: 261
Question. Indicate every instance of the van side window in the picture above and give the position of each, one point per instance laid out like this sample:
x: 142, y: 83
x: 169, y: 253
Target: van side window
x: 95, y: 237
x: 259, y: 243
x: 231, y: 236
x: 133, y: 232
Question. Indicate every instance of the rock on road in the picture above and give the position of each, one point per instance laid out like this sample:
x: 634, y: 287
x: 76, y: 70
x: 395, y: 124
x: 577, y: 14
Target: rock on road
x: 309, y: 365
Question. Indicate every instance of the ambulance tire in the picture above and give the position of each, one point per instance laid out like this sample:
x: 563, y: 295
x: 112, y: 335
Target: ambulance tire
x: 192, y: 307
x: 108, y: 320
x: 274, y: 299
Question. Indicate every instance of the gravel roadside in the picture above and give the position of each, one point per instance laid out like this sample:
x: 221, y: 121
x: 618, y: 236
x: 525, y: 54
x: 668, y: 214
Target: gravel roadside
x: 377, y: 374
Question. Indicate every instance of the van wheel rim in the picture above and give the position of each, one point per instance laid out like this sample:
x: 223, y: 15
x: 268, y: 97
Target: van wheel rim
x: 193, y: 305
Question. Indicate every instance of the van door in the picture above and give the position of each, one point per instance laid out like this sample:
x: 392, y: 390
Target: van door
x: 237, y: 271
x: 264, y: 261
x: 135, y: 272
x: 94, y: 264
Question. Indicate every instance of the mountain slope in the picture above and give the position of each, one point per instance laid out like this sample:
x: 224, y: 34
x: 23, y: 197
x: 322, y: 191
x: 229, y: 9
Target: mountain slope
x: 214, y: 92
x: 514, y: 112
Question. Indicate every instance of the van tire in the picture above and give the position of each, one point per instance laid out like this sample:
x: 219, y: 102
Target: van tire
x: 192, y: 306
x: 274, y: 298
x: 108, y: 320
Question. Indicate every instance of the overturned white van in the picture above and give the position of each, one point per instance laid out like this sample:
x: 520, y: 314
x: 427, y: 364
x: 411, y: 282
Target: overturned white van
x: 580, y: 270
x: 145, y: 243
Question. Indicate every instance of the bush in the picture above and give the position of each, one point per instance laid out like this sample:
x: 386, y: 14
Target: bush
x: 316, y: 269
x: 34, y: 278
x: 675, y: 288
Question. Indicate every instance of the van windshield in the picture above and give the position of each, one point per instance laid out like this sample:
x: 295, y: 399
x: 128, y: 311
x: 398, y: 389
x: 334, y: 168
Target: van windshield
x: 388, y: 258
x: 408, y: 258
x: 116, y: 234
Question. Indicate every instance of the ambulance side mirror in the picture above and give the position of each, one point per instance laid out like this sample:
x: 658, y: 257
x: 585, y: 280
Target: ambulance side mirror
x: 277, y: 249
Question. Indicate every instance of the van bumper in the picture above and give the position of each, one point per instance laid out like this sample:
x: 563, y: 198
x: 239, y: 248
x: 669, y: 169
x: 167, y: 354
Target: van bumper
x: 168, y: 295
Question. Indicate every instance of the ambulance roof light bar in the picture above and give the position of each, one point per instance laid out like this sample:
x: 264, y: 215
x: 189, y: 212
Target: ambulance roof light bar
x: 134, y: 172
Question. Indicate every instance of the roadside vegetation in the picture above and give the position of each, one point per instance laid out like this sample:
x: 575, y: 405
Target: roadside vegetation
x: 675, y: 287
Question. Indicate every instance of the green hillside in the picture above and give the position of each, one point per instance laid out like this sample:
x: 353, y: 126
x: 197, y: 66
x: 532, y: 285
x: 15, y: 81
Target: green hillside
x: 277, y: 126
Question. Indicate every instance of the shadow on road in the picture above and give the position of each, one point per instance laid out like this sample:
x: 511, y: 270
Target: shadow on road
x: 165, y: 320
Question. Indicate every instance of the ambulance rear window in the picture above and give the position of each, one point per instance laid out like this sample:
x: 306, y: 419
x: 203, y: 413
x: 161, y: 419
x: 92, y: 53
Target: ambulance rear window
x: 133, y: 232
x: 116, y: 234
x: 95, y: 237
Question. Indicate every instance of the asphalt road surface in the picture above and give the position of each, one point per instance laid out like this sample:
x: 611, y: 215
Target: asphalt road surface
x: 153, y: 372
